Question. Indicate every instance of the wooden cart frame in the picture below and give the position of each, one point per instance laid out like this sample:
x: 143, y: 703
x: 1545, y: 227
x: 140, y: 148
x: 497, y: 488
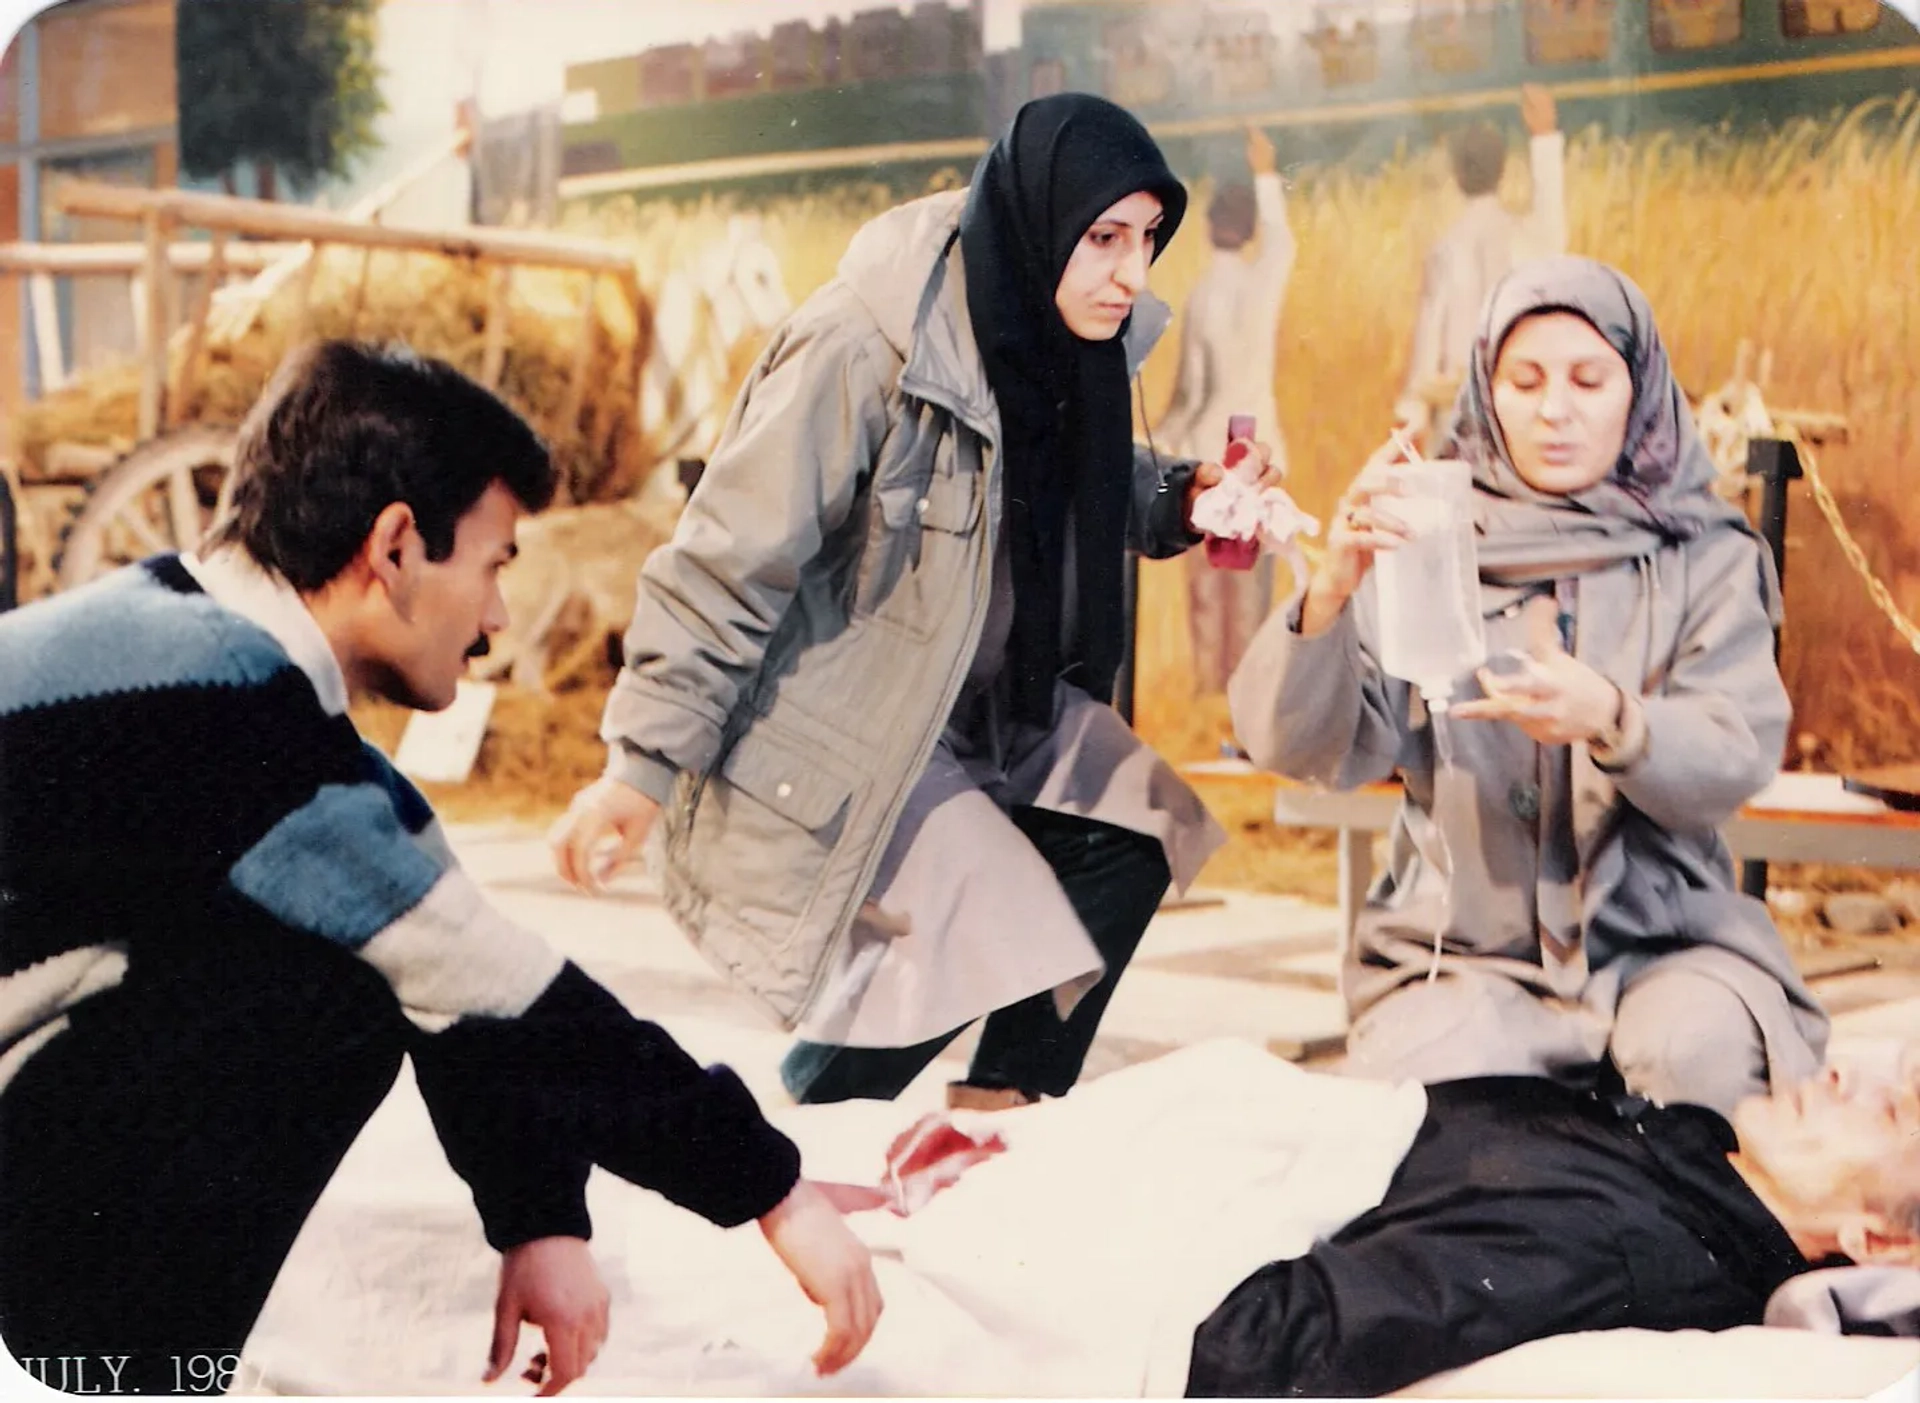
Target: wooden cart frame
x: 163, y: 493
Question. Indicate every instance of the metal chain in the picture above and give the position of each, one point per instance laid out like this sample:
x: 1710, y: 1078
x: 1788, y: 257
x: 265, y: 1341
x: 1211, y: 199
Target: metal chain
x: 1857, y: 558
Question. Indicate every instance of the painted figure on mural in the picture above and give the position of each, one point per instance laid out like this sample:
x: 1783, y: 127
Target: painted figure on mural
x: 1479, y: 248
x: 1226, y: 367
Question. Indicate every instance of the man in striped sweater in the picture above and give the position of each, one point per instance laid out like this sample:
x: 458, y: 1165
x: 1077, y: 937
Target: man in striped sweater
x: 224, y: 919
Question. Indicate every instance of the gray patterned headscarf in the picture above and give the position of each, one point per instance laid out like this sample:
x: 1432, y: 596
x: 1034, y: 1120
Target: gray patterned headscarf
x: 1660, y: 492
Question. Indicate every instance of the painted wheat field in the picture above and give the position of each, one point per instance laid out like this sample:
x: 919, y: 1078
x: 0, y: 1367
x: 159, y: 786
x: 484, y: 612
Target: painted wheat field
x: 1804, y: 240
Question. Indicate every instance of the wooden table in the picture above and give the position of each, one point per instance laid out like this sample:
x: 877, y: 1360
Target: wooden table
x: 1797, y: 818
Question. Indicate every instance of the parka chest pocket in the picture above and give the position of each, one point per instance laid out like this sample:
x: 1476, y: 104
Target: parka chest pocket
x: 919, y: 549
x: 946, y: 502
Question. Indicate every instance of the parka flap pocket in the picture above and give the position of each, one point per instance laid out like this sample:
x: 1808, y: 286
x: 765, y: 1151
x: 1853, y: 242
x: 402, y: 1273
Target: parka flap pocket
x: 780, y: 777
x: 951, y: 503
x: 948, y: 502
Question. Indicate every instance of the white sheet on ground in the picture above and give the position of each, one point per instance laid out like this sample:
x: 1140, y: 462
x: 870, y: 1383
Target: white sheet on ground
x: 1077, y: 1263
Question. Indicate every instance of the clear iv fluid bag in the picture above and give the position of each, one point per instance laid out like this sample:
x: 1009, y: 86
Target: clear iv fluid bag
x: 1428, y: 589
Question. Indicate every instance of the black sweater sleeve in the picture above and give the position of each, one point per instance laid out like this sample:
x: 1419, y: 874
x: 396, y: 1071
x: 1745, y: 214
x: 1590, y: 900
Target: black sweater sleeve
x: 524, y: 1105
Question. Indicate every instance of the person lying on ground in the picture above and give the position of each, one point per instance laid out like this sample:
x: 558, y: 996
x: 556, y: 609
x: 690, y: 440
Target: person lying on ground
x: 1525, y: 1208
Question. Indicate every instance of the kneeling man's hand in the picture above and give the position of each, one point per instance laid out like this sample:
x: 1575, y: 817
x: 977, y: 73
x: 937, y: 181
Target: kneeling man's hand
x: 832, y: 1267
x: 550, y: 1283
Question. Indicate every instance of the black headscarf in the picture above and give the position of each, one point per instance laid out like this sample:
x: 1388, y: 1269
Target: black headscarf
x: 1066, y: 420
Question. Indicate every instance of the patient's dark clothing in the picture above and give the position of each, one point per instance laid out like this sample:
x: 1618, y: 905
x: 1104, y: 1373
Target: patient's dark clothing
x: 1523, y: 1209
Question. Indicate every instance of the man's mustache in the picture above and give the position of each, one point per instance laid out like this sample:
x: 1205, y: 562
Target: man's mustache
x: 479, y: 648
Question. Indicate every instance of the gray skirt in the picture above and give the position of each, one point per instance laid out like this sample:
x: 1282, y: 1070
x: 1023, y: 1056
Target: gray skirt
x: 965, y: 917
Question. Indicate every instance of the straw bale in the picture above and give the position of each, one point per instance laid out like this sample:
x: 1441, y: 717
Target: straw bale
x: 437, y: 306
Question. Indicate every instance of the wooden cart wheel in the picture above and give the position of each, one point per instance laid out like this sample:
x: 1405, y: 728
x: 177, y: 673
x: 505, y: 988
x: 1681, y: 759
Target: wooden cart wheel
x: 160, y: 497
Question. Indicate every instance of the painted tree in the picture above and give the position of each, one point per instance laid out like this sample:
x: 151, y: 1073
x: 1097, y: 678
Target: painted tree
x: 288, y: 84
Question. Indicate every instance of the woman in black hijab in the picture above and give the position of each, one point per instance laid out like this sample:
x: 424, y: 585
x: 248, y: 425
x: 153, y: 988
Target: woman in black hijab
x: 869, y: 680
x: 1065, y: 412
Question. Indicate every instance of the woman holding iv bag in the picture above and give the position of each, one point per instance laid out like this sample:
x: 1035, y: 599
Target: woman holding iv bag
x: 1558, y: 899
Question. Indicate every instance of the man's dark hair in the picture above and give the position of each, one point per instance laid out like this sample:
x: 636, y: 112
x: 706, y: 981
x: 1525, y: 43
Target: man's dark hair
x: 343, y: 430
x: 1231, y: 216
x: 1479, y: 158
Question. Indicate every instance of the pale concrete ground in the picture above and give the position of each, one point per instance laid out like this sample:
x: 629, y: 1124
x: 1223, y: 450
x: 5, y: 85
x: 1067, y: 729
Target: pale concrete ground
x: 1232, y: 964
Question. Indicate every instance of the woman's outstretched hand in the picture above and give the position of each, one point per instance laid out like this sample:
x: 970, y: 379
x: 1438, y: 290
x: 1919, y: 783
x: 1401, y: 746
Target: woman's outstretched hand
x: 1210, y: 474
x: 600, y: 832
x: 1552, y: 696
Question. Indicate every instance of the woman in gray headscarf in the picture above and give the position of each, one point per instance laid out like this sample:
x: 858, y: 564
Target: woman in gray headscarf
x: 1559, y: 900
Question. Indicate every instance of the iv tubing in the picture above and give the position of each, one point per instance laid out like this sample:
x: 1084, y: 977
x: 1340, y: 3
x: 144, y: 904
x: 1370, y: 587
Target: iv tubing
x: 1437, y: 702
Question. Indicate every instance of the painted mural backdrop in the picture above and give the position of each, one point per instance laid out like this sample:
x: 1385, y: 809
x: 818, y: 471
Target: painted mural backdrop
x: 1754, y: 164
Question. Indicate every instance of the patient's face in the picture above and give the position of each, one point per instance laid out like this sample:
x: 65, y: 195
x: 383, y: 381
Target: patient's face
x: 1840, y: 1141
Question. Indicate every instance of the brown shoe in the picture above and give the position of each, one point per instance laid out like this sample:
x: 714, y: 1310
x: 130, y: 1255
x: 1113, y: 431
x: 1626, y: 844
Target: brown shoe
x: 965, y: 1096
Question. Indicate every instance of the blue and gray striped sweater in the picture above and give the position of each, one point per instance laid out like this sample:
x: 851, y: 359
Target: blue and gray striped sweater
x: 170, y: 775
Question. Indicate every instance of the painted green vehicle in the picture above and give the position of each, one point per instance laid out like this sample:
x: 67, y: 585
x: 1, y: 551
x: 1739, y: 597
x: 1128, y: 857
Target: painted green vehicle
x: 1355, y: 87
x: 1366, y: 78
